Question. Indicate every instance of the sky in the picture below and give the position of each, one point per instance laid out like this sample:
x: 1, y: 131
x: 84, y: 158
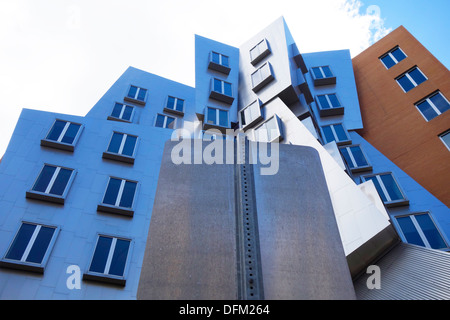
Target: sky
x: 63, y: 55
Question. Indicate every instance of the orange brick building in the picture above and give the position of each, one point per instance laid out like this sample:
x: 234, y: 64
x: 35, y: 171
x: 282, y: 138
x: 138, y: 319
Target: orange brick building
x: 403, y: 92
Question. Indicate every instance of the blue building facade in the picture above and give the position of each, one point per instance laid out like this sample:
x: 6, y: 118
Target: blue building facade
x: 76, y: 193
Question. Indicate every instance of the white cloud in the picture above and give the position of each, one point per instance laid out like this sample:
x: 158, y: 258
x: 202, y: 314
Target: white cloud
x: 62, y: 55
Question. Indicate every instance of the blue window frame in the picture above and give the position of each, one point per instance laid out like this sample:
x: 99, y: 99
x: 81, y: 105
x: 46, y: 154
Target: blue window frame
x: 411, y: 79
x: 433, y: 106
x: 393, y: 57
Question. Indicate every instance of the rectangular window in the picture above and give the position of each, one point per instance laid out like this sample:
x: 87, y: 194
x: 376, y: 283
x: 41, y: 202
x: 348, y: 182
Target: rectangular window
x: 109, y: 260
x: 261, y: 77
x: 393, y: 57
x: 250, y: 115
x: 221, y: 91
x: 219, y: 62
x: 335, y: 132
x: 411, y: 79
x: 269, y: 131
x: 31, y: 247
x: 419, y: 229
x: 329, y: 105
x: 259, y: 52
x: 323, y: 76
x: 175, y: 106
x: 433, y: 106
x: 119, y: 197
x: 121, y: 112
x: 355, y: 158
x: 217, y: 117
x: 52, y: 184
x: 163, y: 121
x: 121, y: 147
x: 136, y: 95
x: 62, y: 135
x: 388, y: 189
x: 445, y: 138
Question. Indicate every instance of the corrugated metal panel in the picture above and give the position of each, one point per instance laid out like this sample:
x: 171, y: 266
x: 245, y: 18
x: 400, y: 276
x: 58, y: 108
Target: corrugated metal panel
x: 409, y: 272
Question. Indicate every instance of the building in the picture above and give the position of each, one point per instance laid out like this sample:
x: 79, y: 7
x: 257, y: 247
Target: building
x: 101, y: 198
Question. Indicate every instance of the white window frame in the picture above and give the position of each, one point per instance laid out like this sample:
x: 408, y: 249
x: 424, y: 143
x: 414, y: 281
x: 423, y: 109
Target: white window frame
x: 222, y: 87
x: 392, y: 56
x: 443, y: 141
x: 220, y: 58
x: 433, y: 106
x: 356, y: 168
x: 122, y: 143
x: 58, y: 144
x: 389, y: 202
x: 122, y: 111
x: 262, y: 81
x: 165, y: 121
x: 339, y: 142
x: 410, y: 78
x: 136, y: 95
x: 217, y: 121
x: 278, y: 138
x: 263, y: 50
x: 22, y: 263
x: 116, y: 208
x: 250, y: 122
x: 329, y: 101
x: 322, y: 72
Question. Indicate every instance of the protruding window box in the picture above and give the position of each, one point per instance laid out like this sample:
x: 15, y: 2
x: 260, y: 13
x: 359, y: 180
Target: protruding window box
x: 174, y: 106
x: 221, y: 91
x: 329, y: 105
x: 250, y: 115
x: 119, y: 197
x: 114, y: 209
x: 259, y: 52
x: 270, y: 130
x: 323, y: 76
x: 262, y: 77
x: 388, y: 188
x: 216, y: 119
x: 122, y: 147
x: 219, y: 62
x: 63, y: 135
x: 136, y: 95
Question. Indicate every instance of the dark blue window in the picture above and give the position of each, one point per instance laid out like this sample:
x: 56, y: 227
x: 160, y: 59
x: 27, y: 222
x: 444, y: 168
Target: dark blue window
x: 64, y: 131
x: 40, y: 245
x: 127, y: 196
x: 411, y: 79
x: 398, y: 54
x: 354, y: 157
x: 110, y: 249
x: 223, y: 118
x: 430, y: 231
x: 122, y: 111
x: 56, y: 130
x: 54, y: 179
x: 61, y: 181
x: 44, y: 178
x: 119, y: 257
x: 388, y: 61
x: 132, y: 92
x: 112, y: 191
x: 137, y: 93
x: 410, y: 231
x: 387, y: 187
x: 100, y: 257
x: 21, y: 241
x: 120, y: 193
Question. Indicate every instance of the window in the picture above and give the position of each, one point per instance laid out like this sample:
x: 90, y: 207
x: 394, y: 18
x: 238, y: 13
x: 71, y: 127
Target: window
x: 411, y: 79
x: 336, y: 132
x: 323, y: 76
x: 121, y: 147
x: 270, y: 130
x: 163, y: 121
x: 419, y: 229
x: 175, y: 106
x: 433, y: 105
x: 393, y: 57
x: 221, y: 91
x: 136, y: 95
x: 259, y: 52
x: 250, y: 115
x: 445, y: 138
x: 52, y: 184
x: 329, y: 105
x: 355, y: 158
x: 109, y: 260
x: 216, y: 118
x: 62, y: 135
x: 119, y: 197
x: 388, y: 189
x: 261, y: 77
x: 219, y: 62
x: 121, y: 112
x: 31, y: 247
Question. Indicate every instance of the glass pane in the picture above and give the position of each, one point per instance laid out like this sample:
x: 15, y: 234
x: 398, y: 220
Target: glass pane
x: 141, y: 94
x: 409, y: 231
x: 56, y: 130
x: 272, y: 129
x: 160, y: 121
x: 417, y: 76
x: 21, y: 241
x: 378, y: 187
x: 223, y: 118
x: 117, y: 110
x: 446, y: 139
x: 388, y: 62
x: 358, y: 156
x: 170, y: 122
x: 115, y: 143
x: 44, y: 178
x: 327, y: 71
x: 211, y: 116
x: 225, y: 61
x: 334, y: 100
x: 398, y: 54
x: 217, y: 85
x: 112, y: 191
x: 132, y: 92
x: 171, y: 103
x: 128, y: 194
x: 427, y: 111
x: 262, y: 134
x: 71, y: 133
x: 265, y: 71
x: 127, y: 113
x: 328, y: 133
x: 40, y: 245
x: 433, y: 236
x: 100, y: 255
x: 347, y: 158
x: 61, y: 182
x: 227, y: 88
x: 256, y: 78
x: 323, y: 102
x: 254, y: 53
x: 405, y: 83
x: 119, y: 258
x: 128, y: 148
x: 340, y: 132
x: 391, y: 187
x: 180, y: 103
x: 440, y: 102
x: 317, y: 73
x: 216, y: 57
